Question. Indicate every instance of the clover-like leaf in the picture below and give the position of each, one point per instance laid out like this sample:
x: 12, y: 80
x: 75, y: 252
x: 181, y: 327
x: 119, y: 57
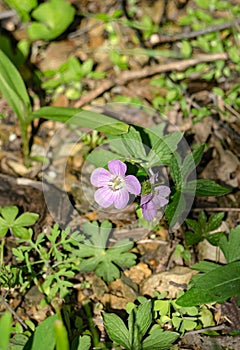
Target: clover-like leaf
x: 53, y: 19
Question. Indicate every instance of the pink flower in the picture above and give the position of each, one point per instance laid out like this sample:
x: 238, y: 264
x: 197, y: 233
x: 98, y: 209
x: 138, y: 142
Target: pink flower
x: 114, y: 186
x: 151, y: 202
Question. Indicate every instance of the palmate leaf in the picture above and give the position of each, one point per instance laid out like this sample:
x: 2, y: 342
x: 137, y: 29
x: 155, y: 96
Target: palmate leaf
x: 159, y: 340
x: 231, y: 246
x: 96, y: 257
x: 217, y: 285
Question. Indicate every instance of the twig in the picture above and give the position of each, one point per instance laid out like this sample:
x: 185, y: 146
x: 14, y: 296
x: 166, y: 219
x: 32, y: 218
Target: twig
x: 127, y: 76
x: 13, y: 312
x: 203, y: 330
x: 217, y: 209
x: 163, y: 39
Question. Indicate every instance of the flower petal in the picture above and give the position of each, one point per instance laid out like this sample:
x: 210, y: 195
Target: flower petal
x: 149, y: 211
x: 132, y: 184
x: 163, y: 191
x: 117, y: 167
x: 146, y: 198
x: 104, y: 196
x: 100, y: 177
x: 121, y: 198
x: 160, y: 201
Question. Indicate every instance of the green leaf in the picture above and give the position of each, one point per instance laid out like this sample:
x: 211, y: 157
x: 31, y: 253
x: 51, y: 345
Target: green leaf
x: 61, y: 336
x: 231, y: 246
x: 108, y: 271
x: 133, y: 142
x: 116, y: 330
x: 26, y: 219
x: 21, y: 232
x: 144, y: 317
x: 215, y: 221
x: 161, y: 152
x: 84, y: 342
x: 100, y: 157
x: 22, y: 7
x: 43, y: 337
x: 13, y: 88
x: 82, y: 118
x: 5, y: 330
x: 175, y: 209
x: 53, y: 19
x: 191, y: 161
x: 215, y: 286
x: 159, y: 340
x: 9, y: 213
x: 205, y: 187
x: 204, y: 266
x: 4, y: 227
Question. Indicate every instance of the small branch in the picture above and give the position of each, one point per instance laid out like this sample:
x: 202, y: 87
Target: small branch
x: 127, y: 76
x: 217, y: 209
x: 13, y: 312
x: 163, y: 39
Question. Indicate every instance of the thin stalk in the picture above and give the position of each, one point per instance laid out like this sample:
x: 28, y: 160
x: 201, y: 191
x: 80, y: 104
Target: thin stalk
x: 25, y: 143
x: 91, y: 324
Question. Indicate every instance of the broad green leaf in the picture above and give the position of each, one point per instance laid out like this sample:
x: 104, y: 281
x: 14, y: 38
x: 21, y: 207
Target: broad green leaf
x: 205, y: 187
x: 231, y: 246
x: 13, y: 88
x: 23, y: 7
x: 123, y: 260
x: 53, y: 19
x: 5, y: 330
x: 83, y: 118
x: 133, y: 142
x: 100, y: 157
x: 4, y: 227
x: 215, y: 286
x: 9, y: 213
x: 159, y: 340
x: 108, y: 271
x: 61, y: 336
x: 26, y: 219
x: 162, y: 150
x: 116, y: 330
x: 191, y: 161
x: 175, y: 169
x: 175, y: 209
x: 144, y: 317
x: 204, y: 266
x: 187, y: 325
x: 84, y: 342
x: 215, y: 221
x: 43, y: 337
x: 21, y: 232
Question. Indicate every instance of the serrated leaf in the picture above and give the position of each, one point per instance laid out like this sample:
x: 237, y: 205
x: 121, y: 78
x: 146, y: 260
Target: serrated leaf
x: 84, y: 342
x: 215, y: 286
x: 159, y: 340
x: 204, y: 266
x: 205, y: 187
x: 53, y: 19
x: 144, y: 317
x: 116, y: 330
x: 108, y: 271
x: 133, y: 142
x: 215, y: 221
x: 26, y: 219
x: 162, y: 150
x: 231, y: 246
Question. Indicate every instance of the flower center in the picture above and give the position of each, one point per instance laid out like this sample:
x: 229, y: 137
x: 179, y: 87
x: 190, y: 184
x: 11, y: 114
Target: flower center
x: 116, y: 183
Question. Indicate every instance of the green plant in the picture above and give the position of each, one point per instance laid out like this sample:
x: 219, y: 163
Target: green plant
x: 140, y: 333
x: 67, y: 78
x: 202, y: 229
x: 216, y: 283
x: 15, y: 92
x: 96, y: 257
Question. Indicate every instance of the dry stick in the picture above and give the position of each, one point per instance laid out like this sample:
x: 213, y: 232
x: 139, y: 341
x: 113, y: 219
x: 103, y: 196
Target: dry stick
x: 163, y: 39
x: 217, y: 209
x: 126, y: 76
